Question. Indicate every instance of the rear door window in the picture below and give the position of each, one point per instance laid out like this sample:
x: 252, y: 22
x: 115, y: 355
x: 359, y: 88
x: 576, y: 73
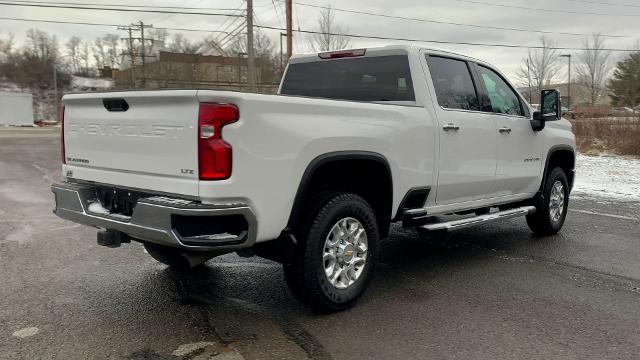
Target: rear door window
x: 379, y: 78
x: 453, y: 83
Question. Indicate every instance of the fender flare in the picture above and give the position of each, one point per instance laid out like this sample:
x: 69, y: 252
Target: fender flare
x: 550, y: 153
x: 316, y: 163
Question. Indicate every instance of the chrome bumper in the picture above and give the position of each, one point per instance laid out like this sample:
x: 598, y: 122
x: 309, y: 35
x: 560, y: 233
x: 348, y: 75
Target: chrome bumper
x: 156, y: 219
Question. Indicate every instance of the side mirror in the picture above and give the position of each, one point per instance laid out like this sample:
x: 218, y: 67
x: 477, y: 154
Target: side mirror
x: 550, y: 109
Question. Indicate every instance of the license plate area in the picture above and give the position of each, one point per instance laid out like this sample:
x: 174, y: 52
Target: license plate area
x: 118, y: 201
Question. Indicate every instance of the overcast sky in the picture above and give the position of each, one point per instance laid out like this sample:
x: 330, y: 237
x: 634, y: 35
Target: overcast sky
x: 617, y: 20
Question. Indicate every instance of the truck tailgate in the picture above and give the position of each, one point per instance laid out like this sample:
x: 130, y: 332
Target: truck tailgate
x: 145, y: 139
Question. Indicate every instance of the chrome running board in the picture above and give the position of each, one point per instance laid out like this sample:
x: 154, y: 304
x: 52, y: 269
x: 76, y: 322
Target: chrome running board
x: 479, y: 220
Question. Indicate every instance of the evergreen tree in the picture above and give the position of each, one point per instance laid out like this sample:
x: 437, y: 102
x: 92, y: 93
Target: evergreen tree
x: 625, y: 83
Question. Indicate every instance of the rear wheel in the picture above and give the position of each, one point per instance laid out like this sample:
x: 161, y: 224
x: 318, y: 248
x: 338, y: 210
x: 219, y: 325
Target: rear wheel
x: 337, y: 253
x: 552, y: 210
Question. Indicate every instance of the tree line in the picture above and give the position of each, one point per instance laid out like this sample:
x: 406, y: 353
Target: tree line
x: 27, y: 66
x: 30, y: 66
x: 595, y: 71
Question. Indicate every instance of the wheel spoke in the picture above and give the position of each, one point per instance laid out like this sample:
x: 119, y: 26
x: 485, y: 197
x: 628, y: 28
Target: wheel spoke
x: 351, y: 228
x: 329, y: 255
x: 357, y: 261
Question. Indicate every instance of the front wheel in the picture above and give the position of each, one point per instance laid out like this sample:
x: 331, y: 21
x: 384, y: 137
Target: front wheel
x: 552, y: 210
x: 337, y: 255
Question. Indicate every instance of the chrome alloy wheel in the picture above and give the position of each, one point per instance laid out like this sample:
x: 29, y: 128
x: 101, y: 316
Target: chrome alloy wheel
x: 345, y: 252
x: 556, y: 201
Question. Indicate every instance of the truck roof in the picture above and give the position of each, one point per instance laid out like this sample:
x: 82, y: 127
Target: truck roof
x: 385, y: 50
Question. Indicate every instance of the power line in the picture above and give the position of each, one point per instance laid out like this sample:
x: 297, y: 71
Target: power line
x: 117, y: 9
x: 275, y: 8
x: 545, y: 10
x: 455, y: 23
x: 103, y: 24
x: 232, y: 34
x: 228, y: 22
x: 373, y: 37
x: 122, y: 5
x: 605, y: 3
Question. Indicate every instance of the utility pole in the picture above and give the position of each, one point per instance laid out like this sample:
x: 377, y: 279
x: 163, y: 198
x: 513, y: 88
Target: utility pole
x: 142, y: 40
x: 568, y: 56
x: 140, y: 26
x: 281, y: 53
x: 143, y: 53
x: 240, y: 54
x: 251, y: 64
x: 529, y: 79
x: 289, y: 6
x: 129, y: 29
x: 55, y: 91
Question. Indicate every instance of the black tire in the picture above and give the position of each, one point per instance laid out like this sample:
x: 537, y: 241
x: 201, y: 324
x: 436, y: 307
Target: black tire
x: 541, y: 222
x: 292, y: 275
x: 167, y: 255
x: 306, y: 276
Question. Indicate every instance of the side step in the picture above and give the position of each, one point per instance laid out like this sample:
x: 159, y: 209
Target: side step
x: 480, y: 219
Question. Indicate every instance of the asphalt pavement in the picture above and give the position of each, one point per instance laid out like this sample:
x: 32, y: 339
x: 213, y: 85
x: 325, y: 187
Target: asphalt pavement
x: 490, y: 292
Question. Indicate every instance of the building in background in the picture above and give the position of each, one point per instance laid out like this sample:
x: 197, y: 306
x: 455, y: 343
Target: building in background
x: 16, y: 109
x: 579, y: 94
x: 179, y: 70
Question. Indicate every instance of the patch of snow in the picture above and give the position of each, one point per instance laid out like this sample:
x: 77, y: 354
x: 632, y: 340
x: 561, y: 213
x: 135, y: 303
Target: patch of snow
x: 97, y: 208
x: 78, y: 82
x: 187, y: 349
x: 614, y: 177
x: 26, y: 332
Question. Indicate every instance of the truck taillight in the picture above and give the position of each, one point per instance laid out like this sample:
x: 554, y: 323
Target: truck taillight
x: 214, y: 154
x: 62, y: 154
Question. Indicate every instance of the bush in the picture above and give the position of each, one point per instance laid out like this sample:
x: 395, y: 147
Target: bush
x: 619, y: 136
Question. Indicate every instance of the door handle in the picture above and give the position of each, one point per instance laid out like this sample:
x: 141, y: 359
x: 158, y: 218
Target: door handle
x: 504, y: 130
x: 450, y: 127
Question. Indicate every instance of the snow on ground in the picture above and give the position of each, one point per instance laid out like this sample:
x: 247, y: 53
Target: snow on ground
x: 608, y: 176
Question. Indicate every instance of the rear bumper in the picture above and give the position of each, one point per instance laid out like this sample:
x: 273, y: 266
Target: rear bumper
x: 164, y: 220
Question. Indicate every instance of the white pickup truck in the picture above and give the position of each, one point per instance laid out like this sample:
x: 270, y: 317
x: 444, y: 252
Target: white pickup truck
x: 313, y: 177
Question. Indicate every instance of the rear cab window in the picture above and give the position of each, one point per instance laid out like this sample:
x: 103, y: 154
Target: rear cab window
x: 375, y: 79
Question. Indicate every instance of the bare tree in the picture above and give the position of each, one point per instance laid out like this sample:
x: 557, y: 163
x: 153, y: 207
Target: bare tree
x: 159, y: 38
x: 41, y: 45
x: 267, y: 61
x: 106, y: 51
x: 84, y: 55
x: 6, y: 48
x: 180, y: 44
x: 330, y: 36
x: 73, y: 52
x: 542, y: 65
x: 594, y: 67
